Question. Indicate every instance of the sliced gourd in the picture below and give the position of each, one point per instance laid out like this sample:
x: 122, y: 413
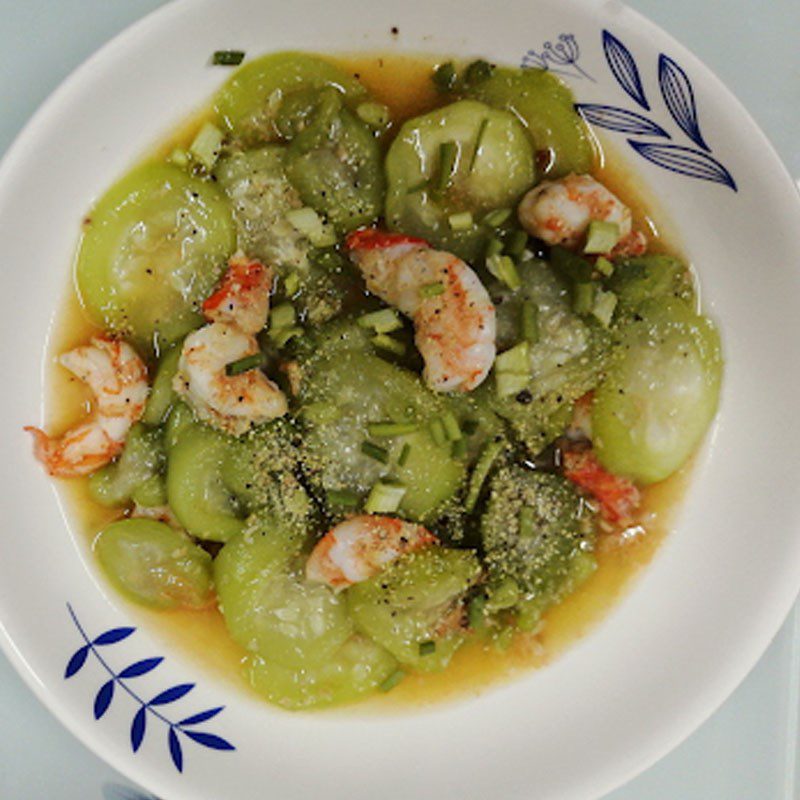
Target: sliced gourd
x: 250, y: 100
x: 413, y: 608
x: 660, y: 393
x: 153, y: 249
x: 464, y: 158
x: 162, y: 396
x: 154, y: 564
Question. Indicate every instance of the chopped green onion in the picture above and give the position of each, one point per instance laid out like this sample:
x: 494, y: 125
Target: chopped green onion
x: 478, y: 71
x: 438, y: 434
x: 489, y: 454
x: 516, y: 242
x: 451, y: 427
x: 385, y: 342
x: 179, y: 157
x: 476, y: 613
x: 478, y: 144
x: 459, y: 449
x: 604, y: 266
x: 603, y: 308
x: 527, y: 521
x: 283, y: 335
x: 227, y: 58
x: 494, y: 219
x: 583, y: 297
x: 461, y: 222
x: 493, y: 248
x: 402, y: 459
x: 206, y: 146
x: 385, y: 497
x: 282, y: 316
x: 375, y: 451
x: 392, y: 681
x: 384, y: 321
x: 508, y: 383
x: 383, y: 430
x: 602, y: 237
x: 244, y: 364
x: 343, y: 498
x: 515, y: 359
x: 444, y: 76
x: 376, y: 115
x: 505, y: 270
x: 529, y: 322
x: 427, y: 648
x: 448, y: 158
x: 431, y: 290
x: 470, y: 426
x: 306, y: 221
x: 291, y: 284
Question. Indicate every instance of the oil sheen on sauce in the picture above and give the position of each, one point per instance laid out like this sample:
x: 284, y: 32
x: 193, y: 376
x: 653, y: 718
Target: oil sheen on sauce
x: 403, y: 83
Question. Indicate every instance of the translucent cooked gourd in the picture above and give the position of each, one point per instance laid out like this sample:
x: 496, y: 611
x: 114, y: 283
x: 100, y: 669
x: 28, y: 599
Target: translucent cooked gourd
x: 249, y: 102
x: 358, y: 667
x: 152, y: 250
x: 545, y: 105
x: 464, y: 157
x: 202, y: 478
x: 162, y: 396
x: 660, y: 393
x: 154, y: 564
x: 566, y: 359
x: 538, y: 536
x: 414, y: 608
x: 136, y: 474
x: 269, y: 607
x: 345, y: 389
x: 261, y: 195
x: 333, y: 159
x: 637, y: 280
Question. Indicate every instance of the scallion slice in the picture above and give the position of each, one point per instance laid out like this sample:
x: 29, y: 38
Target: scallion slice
x: 494, y: 219
x: 478, y: 138
x: 227, y: 58
x: 436, y: 428
x: 385, y: 497
x: 604, y: 266
x: 452, y: 429
x: 385, y: 342
x: 444, y: 76
x: 431, y: 290
x: 375, y: 451
x: 489, y: 454
x: 384, y: 321
x: 206, y: 146
x: 461, y: 222
x: 583, y: 297
x: 402, y: 459
x: 342, y: 498
x: 291, y: 284
x: 427, y: 648
x: 529, y: 322
x: 392, y: 681
x: 602, y: 237
x: 448, y: 159
x: 384, y: 430
x: 306, y: 221
x: 244, y: 364
x: 603, y: 308
x: 376, y: 115
x: 505, y: 270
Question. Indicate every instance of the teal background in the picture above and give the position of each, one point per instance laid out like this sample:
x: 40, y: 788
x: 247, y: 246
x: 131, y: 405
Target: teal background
x: 747, y: 750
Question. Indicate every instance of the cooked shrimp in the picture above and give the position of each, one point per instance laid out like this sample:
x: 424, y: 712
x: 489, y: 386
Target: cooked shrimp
x: 361, y: 547
x: 117, y: 378
x: 559, y: 213
x: 233, y: 403
x: 454, y: 321
x: 243, y: 296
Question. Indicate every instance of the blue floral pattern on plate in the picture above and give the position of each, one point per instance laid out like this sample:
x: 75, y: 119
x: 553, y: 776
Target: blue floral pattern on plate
x: 677, y: 93
x: 184, y: 727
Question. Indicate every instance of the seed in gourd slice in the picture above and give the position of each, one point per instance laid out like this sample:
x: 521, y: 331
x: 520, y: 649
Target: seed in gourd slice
x: 250, y: 100
x: 154, y: 564
x: 358, y: 667
x: 269, y: 608
x: 546, y: 107
x: 660, y: 393
x: 154, y: 247
x: 465, y: 157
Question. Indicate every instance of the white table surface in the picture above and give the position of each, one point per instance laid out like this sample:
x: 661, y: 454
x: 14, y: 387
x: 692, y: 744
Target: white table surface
x: 747, y: 750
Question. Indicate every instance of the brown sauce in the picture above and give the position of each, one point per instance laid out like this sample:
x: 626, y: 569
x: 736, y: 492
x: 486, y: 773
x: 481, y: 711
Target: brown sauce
x: 402, y: 83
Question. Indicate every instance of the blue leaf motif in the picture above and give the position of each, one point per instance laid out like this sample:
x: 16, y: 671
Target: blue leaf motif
x: 103, y: 698
x: 138, y: 728
x: 171, y: 695
x: 624, y: 68
x: 196, y: 719
x: 113, y: 636
x: 140, y: 667
x: 175, y: 750
x: 678, y: 94
x: 210, y: 740
x: 619, y: 119
x: 685, y: 161
x: 77, y: 661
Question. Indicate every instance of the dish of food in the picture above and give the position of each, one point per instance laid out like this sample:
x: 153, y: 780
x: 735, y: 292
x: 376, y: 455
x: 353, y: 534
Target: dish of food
x: 146, y: 689
x: 376, y: 387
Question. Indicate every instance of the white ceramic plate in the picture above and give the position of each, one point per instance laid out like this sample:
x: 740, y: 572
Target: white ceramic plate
x: 680, y: 641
